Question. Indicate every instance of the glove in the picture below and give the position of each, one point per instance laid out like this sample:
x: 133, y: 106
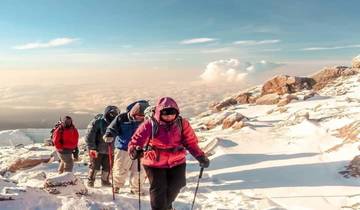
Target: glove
x: 76, y: 154
x: 204, y: 162
x: 135, y: 152
x: 108, y: 139
x: 93, y: 153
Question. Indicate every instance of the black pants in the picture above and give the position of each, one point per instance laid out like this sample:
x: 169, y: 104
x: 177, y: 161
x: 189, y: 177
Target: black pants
x: 102, y: 161
x: 165, y: 185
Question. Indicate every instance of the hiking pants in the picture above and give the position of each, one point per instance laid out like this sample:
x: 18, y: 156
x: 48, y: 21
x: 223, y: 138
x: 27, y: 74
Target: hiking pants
x: 165, y: 185
x: 102, y: 161
x: 66, y: 162
x: 122, y: 166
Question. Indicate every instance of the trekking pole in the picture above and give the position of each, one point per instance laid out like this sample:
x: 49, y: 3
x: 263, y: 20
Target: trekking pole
x: 139, y: 168
x: 111, y: 171
x: 197, y: 187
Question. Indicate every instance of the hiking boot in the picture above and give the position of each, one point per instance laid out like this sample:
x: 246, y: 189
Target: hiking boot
x: 135, y: 192
x: 105, y: 179
x: 105, y: 183
x: 91, y: 178
x: 116, y: 190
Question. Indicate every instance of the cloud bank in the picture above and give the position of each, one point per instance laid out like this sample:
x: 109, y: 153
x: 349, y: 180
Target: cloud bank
x: 232, y: 70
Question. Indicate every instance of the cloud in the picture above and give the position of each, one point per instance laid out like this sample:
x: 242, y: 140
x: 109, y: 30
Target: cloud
x: 330, y: 48
x: 52, y: 43
x: 257, y: 42
x: 198, y: 41
x: 232, y: 70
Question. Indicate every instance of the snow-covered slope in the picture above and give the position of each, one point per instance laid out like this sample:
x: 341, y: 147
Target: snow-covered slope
x: 286, y: 157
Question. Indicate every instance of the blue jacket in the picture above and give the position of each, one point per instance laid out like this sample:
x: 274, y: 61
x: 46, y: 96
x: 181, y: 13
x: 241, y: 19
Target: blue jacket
x: 122, y: 128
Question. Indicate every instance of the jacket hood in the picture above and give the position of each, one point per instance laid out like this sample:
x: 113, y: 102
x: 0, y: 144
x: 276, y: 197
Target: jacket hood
x: 165, y: 102
x: 107, y: 110
x: 138, y: 109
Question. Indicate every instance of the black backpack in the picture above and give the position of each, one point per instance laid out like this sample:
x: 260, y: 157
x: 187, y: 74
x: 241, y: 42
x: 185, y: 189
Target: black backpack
x: 57, y: 125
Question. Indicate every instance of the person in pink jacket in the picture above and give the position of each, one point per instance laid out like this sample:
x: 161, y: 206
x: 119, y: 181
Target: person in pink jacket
x: 162, y: 143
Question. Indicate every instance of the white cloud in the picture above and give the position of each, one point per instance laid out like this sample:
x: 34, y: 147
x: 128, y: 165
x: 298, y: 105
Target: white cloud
x: 330, y: 48
x: 52, y: 43
x: 257, y: 42
x: 232, y: 70
x: 198, y: 41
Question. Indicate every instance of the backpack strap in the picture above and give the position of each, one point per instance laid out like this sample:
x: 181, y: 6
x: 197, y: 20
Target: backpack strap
x: 61, y: 132
x: 155, y: 129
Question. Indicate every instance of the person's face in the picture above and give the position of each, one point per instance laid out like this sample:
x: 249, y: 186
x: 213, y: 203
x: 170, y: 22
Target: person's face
x: 168, y: 117
x: 139, y: 117
x: 68, y: 122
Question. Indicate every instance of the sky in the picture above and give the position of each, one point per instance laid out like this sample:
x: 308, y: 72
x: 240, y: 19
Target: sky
x: 173, y: 34
x: 60, y: 56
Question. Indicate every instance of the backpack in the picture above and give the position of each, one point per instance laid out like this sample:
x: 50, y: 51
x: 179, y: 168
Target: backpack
x: 57, y: 125
x: 155, y: 129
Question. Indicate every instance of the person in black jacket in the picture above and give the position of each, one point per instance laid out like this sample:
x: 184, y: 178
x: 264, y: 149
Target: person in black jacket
x: 97, y: 147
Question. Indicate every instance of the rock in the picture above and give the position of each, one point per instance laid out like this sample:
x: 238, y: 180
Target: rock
x: 232, y: 119
x: 356, y: 62
x: 223, y: 104
x: 287, y: 99
x: 283, y: 84
x: 327, y: 75
x: 252, y: 99
x: 353, y: 169
x: 218, y: 120
x: 66, y: 183
x: 270, y: 111
x: 238, y: 125
x: 350, y: 132
x: 268, y: 99
x: 309, y: 95
x: 243, y: 98
x: 23, y: 163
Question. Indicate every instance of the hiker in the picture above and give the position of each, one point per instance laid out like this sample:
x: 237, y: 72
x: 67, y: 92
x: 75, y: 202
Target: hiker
x: 121, y: 129
x: 65, y: 138
x: 164, y: 140
x: 98, y: 148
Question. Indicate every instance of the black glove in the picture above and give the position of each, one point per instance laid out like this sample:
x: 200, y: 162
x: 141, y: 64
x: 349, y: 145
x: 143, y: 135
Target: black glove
x: 76, y: 153
x: 203, y: 161
x: 135, y: 153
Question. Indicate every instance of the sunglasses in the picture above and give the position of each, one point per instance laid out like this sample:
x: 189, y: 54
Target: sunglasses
x: 170, y: 111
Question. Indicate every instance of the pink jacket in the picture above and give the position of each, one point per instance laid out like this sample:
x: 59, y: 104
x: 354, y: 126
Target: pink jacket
x: 168, y: 136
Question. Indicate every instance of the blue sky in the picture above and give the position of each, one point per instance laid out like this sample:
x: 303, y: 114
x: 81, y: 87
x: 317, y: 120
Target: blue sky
x: 173, y: 34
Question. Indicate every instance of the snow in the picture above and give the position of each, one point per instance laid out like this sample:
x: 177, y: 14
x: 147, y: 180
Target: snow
x: 280, y: 160
x: 13, y: 138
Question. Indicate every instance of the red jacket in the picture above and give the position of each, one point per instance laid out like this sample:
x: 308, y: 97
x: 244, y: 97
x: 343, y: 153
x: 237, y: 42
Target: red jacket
x: 168, y: 136
x: 65, y: 138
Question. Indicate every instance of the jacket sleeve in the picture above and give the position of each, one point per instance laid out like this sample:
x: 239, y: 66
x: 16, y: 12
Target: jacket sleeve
x: 90, y: 137
x: 114, y: 128
x: 141, y: 135
x: 190, y: 140
x: 57, y: 138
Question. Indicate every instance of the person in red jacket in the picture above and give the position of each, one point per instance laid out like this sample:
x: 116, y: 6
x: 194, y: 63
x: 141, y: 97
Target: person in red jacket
x: 65, y: 139
x: 164, y: 140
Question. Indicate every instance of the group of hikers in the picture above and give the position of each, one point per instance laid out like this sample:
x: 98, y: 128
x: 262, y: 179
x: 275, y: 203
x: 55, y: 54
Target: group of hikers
x: 116, y: 142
